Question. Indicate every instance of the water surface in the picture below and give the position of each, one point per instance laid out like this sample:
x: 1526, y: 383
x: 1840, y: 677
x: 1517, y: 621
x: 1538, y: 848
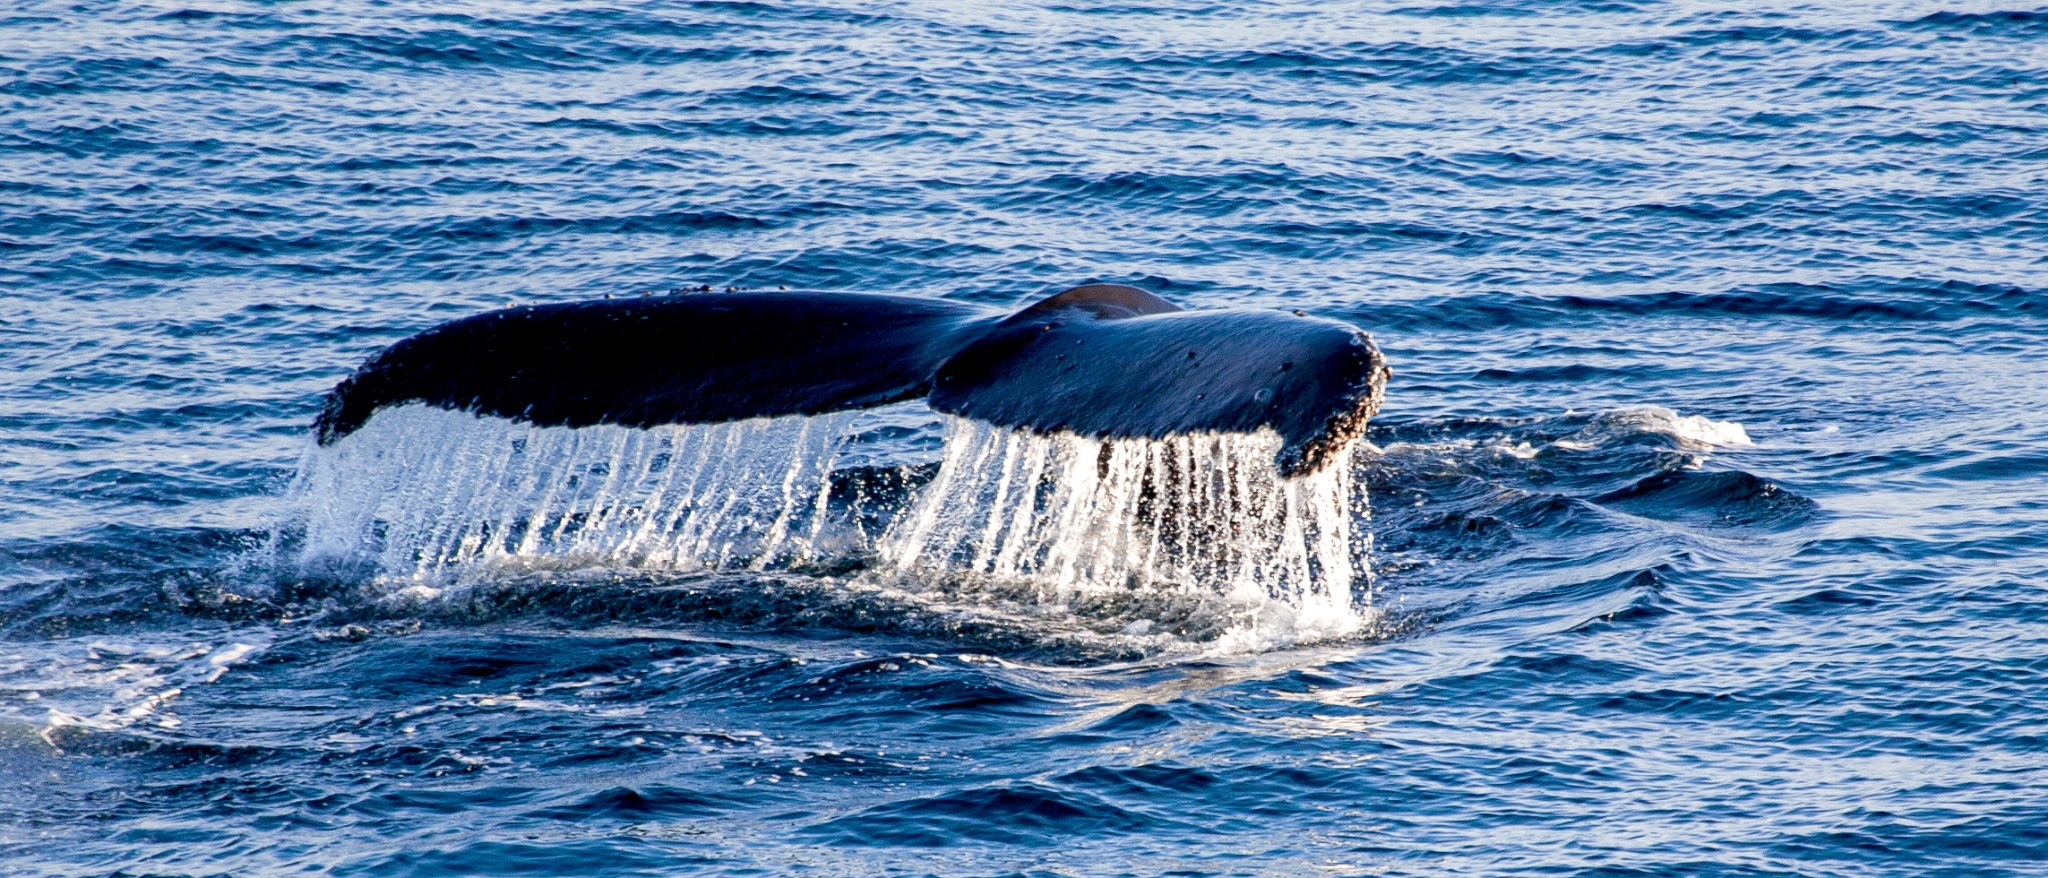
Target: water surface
x: 1701, y: 533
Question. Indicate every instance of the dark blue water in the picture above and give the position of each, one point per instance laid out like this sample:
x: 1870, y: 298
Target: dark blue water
x: 1706, y: 511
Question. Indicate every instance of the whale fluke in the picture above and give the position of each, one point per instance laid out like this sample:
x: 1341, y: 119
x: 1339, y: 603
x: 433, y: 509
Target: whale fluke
x: 1102, y: 360
x: 1101, y: 301
x: 692, y: 358
x: 1316, y: 382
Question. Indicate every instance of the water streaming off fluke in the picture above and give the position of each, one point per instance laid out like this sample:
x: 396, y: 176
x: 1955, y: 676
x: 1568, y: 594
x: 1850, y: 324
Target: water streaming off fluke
x: 1203, y: 512
x: 430, y: 494
x: 423, y: 496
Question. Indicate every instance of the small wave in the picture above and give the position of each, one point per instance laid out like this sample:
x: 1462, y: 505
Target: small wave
x: 1528, y: 438
x: 1689, y: 432
x: 494, y: 50
x: 1903, y: 299
x: 2003, y: 465
x: 745, y: 126
x: 1714, y: 499
x: 1223, y: 190
x: 501, y: 228
x: 641, y: 803
x: 90, y: 74
x: 1467, y: 499
x: 2014, y: 23
x: 755, y: 97
x: 1024, y: 813
x: 1753, y: 35
x: 1520, y: 8
x: 1402, y: 62
x: 1311, y: 240
x: 1566, y: 372
x: 105, y: 139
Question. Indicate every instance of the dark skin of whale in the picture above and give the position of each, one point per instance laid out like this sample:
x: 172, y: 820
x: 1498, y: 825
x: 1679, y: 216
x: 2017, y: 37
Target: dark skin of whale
x: 680, y: 359
x: 1104, y: 360
x: 1315, y: 382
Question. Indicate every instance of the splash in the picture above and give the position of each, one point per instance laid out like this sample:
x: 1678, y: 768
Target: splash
x: 432, y: 495
x: 1202, y: 515
x: 1693, y: 432
x: 1193, y: 537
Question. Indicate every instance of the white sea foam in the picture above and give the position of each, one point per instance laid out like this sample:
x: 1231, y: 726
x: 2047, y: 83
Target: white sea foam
x: 1689, y: 432
x: 112, y: 683
x: 1692, y: 432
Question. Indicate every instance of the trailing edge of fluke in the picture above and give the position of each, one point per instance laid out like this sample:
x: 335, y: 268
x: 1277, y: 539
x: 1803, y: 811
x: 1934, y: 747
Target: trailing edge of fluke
x: 1103, y: 360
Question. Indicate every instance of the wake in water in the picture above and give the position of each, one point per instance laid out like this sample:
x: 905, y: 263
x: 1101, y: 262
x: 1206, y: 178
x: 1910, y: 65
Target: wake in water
x: 1195, y: 535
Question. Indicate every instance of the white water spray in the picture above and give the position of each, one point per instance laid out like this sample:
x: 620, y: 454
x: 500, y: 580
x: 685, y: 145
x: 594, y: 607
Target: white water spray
x: 432, y: 494
x: 1082, y: 517
x: 428, y: 497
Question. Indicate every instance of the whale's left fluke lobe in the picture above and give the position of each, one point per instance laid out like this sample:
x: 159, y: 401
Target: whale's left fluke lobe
x: 1103, y: 360
x: 682, y: 359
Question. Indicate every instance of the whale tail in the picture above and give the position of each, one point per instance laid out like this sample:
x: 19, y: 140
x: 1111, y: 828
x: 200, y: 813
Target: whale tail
x: 1103, y: 360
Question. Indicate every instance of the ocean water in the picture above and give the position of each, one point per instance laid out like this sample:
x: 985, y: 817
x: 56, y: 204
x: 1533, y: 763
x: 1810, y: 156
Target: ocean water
x: 1703, y: 531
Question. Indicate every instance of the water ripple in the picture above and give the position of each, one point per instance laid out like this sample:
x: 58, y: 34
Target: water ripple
x: 1703, y: 527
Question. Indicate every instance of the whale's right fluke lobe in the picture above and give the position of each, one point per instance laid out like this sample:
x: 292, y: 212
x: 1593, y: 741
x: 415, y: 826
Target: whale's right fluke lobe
x: 1102, y: 360
x: 1315, y: 382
